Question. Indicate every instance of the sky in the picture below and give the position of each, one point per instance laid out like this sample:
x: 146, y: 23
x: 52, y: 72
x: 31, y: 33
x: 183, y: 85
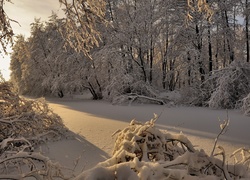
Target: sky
x: 24, y: 12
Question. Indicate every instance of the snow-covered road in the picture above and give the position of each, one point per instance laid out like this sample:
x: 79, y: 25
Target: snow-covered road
x: 95, y: 121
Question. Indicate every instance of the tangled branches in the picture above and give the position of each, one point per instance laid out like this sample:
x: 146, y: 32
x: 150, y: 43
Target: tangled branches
x: 21, y: 117
x: 233, y: 84
x: 6, y: 32
x: 142, y: 151
x: 82, y: 17
x: 25, y: 124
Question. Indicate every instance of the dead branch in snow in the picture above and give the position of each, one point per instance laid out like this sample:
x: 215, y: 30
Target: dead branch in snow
x: 132, y: 97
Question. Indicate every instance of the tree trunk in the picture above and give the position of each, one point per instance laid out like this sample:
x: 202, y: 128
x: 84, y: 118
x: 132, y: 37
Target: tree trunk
x: 164, y: 63
x: 247, y: 30
x: 210, y: 49
x: 129, y: 68
x: 217, y: 48
x: 230, y: 48
x: 189, y: 69
x: 95, y: 95
x: 151, y: 58
x: 60, y: 94
x: 199, y: 47
x: 142, y: 65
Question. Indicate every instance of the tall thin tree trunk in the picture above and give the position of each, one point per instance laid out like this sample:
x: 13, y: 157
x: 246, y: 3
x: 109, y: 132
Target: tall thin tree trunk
x: 247, y: 30
x: 229, y: 41
x: 142, y: 65
x: 210, y: 55
x: 225, y: 52
x: 164, y: 72
x: 199, y: 46
x: 164, y: 62
x: 151, y: 58
x: 172, y: 81
x: 217, y: 48
x: 189, y: 69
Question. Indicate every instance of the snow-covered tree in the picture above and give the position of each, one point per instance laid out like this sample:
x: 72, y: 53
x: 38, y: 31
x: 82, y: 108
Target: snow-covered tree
x: 6, y: 32
x: 233, y: 84
x: 19, y: 59
x: 52, y: 67
x: 149, y: 43
x: 133, y: 46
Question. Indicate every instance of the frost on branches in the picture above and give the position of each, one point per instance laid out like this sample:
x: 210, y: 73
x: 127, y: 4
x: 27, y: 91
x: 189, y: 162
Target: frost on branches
x: 82, y: 17
x: 142, y: 151
x: 233, y: 85
x: 24, y: 124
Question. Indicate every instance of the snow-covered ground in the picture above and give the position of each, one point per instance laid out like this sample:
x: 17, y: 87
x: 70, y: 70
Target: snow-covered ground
x: 94, y: 122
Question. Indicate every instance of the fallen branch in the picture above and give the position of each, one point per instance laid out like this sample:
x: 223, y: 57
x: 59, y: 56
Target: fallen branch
x: 132, y: 97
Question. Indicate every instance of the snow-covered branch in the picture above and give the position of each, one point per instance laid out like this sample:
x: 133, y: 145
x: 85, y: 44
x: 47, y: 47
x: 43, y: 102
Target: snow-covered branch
x: 24, y: 124
x: 142, y: 151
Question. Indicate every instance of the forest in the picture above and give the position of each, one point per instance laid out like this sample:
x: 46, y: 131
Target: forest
x: 125, y: 51
x: 143, y: 48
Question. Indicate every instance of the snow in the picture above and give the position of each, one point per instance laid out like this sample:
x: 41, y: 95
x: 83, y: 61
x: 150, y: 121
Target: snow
x: 94, y: 122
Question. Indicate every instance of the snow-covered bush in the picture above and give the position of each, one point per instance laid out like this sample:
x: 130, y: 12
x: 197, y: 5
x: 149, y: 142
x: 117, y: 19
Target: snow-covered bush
x: 24, y: 124
x: 142, y: 151
x: 233, y: 84
x: 125, y: 89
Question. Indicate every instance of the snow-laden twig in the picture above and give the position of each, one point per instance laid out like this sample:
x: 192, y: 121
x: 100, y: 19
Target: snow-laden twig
x: 223, y: 127
x: 244, y: 156
x: 142, y: 151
